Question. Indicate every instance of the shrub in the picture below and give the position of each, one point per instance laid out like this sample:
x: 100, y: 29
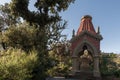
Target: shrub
x: 15, y: 64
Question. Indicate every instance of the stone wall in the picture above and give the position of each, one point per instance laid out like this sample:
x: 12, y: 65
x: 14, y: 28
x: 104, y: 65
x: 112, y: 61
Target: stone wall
x: 110, y: 78
x: 59, y: 78
x: 62, y: 78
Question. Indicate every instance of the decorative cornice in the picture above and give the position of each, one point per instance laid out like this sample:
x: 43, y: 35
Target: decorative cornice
x: 95, y: 36
x: 86, y: 16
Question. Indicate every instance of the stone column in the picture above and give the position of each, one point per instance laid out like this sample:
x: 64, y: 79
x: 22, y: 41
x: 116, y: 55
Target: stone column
x: 74, y: 64
x: 96, y: 66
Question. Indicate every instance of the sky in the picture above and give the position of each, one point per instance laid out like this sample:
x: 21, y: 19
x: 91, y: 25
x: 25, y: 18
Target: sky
x: 105, y: 14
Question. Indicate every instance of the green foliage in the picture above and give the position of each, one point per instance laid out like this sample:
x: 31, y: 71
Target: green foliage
x: 28, y: 37
x: 117, y: 73
x: 61, y: 60
x: 47, y: 10
x: 54, y: 31
x: 23, y: 36
x: 15, y: 64
x: 6, y: 18
x: 108, y: 65
x: 61, y: 65
x: 47, y: 29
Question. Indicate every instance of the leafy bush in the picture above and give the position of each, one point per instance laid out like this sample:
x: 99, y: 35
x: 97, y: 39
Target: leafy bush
x: 22, y: 36
x: 61, y: 64
x: 15, y: 64
x: 109, y: 65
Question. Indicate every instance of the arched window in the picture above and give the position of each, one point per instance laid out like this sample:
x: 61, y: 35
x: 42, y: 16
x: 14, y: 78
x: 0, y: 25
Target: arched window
x: 84, y: 47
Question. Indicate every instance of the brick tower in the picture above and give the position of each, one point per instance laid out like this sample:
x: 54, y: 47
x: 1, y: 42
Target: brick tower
x: 86, y: 39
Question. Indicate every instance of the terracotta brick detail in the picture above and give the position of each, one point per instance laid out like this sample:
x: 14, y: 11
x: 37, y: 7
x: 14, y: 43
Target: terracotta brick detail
x: 86, y: 25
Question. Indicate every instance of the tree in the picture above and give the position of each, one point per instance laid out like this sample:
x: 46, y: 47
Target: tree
x: 47, y: 10
x: 6, y: 18
x: 24, y: 36
x: 15, y: 64
x: 47, y: 13
x: 60, y: 55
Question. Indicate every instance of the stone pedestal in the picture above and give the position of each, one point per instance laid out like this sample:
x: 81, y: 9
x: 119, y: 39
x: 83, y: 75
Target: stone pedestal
x: 96, y: 67
x: 81, y: 75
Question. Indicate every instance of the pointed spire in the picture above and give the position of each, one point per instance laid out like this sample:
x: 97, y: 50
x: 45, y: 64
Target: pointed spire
x: 73, y: 33
x: 98, y: 30
x: 86, y: 25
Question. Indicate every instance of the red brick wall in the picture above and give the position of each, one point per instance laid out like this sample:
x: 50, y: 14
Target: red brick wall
x: 75, y: 44
x: 93, y: 41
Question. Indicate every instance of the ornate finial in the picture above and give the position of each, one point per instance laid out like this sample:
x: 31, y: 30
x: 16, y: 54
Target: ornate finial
x: 73, y: 33
x: 86, y: 16
x: 98, y: 30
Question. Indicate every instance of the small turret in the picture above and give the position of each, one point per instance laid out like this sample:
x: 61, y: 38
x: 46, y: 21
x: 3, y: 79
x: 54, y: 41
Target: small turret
x: 98, y: 30
x: 73, y: 33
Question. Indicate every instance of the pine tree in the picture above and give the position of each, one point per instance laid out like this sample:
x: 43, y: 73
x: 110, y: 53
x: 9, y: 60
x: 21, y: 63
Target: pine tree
x: 47, y: 14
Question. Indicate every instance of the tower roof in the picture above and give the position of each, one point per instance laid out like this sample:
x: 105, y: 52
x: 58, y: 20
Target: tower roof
x: 86, y: 25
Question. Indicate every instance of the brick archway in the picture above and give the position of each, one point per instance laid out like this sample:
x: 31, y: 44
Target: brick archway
x: 95, y: 55
x: 90, y: 48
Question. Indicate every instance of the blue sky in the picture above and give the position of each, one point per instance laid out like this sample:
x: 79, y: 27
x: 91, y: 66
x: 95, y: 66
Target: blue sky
x: 105, y: 13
